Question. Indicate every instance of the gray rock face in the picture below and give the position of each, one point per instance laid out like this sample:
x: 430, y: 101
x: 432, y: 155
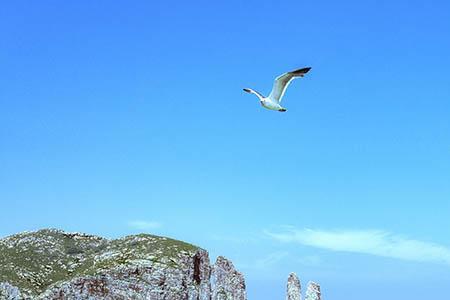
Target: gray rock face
x: 226, y: 282
x: 140, y: 280
x: 55, y: 265
x: 293, y: 288
x: 9, y: 292
x: 52, y: 264
x: 313, y: 291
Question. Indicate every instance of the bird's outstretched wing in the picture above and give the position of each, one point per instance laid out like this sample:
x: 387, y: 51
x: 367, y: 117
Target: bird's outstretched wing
x: 281, y: 83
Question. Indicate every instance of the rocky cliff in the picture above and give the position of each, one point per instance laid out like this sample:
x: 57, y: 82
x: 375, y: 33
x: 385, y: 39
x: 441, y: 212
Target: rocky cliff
x: 52, y: 264
x: 57, y: 265
x: 313, y: 291
x: 294, y: 291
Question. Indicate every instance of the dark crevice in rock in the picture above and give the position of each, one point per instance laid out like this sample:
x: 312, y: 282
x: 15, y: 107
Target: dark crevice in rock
x: 197, y: 262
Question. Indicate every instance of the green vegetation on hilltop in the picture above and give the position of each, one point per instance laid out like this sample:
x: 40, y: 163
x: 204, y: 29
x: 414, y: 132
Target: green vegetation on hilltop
x: 34, y: 260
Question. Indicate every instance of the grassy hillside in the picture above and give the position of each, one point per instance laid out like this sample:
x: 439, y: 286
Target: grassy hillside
x: 34, y: 260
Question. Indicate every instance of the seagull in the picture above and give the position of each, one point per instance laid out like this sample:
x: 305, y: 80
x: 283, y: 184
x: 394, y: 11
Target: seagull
x: 279, y: 87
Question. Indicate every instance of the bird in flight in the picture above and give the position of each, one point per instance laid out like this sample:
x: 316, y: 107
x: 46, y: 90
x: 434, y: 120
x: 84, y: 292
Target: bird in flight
x: 280, y: 85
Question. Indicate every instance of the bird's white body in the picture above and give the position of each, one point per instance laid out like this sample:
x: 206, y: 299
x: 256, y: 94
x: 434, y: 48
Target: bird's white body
x: 270, y: 104
x: 280, y: 85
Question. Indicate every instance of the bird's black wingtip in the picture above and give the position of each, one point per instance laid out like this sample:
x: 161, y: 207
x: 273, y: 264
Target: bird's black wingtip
x: 247, y: 90
x: 301, y: 71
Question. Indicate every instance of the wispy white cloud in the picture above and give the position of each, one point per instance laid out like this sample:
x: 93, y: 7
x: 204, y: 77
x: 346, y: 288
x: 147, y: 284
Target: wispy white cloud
x: 373, y: 242
x: 270, y: 260
x: 310, y: 260
x: 144, y: 225
x: 265, y: 262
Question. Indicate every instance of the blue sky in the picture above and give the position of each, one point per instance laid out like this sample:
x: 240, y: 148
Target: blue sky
x: 122, y: 117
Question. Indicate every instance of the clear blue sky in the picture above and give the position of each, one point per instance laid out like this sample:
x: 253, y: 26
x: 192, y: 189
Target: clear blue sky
x: 121, y: 117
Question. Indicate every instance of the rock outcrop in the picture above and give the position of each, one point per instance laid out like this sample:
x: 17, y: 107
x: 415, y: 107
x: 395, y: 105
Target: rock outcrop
x: 293, y: 291
x: 52, y: 264
x: 313, y: 291
x: 9, y: 292
x: 226, y: 282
